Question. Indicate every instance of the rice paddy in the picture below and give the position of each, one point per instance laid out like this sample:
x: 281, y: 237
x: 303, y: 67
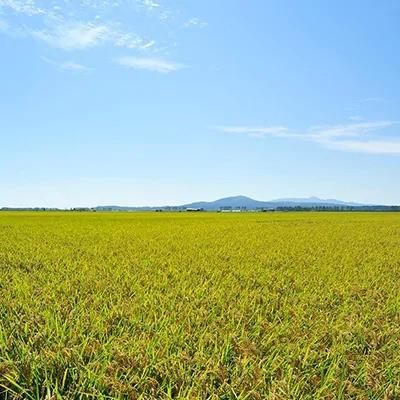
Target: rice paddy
x: 199, y: 305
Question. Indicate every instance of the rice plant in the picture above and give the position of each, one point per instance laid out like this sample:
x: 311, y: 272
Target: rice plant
x: 199, y: 306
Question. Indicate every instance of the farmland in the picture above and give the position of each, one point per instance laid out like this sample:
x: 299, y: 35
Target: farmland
x: 199, y: 305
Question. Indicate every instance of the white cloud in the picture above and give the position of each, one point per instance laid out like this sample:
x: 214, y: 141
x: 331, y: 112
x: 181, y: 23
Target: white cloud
x: 73, y: 66
x: 80, y: 35
x: 260, y: 132
x: 355, y: 118
x: 67, y: 65
x: 354, y: 137
x: 368, y: 146
x: 96, y: 4
x: 73, y: 25
x: 373, y: 100
x: 348, y: 130
x: 150, y: 4
x: 195, y: 22
x: 130, y: 40
x: 27, y: 7
x: 60, y: 27
x: 150, y: 64
x: 75, y: 36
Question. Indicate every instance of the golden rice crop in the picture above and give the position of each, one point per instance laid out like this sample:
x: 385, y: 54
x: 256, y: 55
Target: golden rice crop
x: 199, y: 305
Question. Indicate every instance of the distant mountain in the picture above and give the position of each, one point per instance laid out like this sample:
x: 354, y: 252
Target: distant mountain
x: 317, y: 200
x: 242, y: 202
x: 251, y: 204
x: 234, y: 202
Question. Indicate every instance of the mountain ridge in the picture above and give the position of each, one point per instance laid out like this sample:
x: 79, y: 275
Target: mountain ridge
x: 245, y: 202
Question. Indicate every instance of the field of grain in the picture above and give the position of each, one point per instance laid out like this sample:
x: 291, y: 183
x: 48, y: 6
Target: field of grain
x: 199, y: 306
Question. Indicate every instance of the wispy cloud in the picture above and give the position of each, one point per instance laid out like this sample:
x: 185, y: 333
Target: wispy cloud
x: 67, y: 65
x: 195, y: 22
x: 355, y: 118
x: 85, y: 24
x: 150, y: 4
x: 372, y: 100
x: 27, y: 7
x: 74, y: 36
x: 150, y: 64
x: 60, y: 27
x: 257, y: 131
x: 356, y: 137
x: 79, y: 36
x: 347, y: 130
x: 368, y: 146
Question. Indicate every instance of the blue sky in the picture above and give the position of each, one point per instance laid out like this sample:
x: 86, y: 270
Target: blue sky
x: 136, y: 102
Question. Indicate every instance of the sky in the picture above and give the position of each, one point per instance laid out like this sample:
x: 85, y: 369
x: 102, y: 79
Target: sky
x: 156, y: 102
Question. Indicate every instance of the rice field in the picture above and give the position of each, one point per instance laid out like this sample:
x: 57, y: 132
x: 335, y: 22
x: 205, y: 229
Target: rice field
x: 199, y: 306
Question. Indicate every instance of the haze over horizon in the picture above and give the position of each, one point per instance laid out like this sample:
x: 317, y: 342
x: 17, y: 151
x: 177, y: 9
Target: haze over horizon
x: 157, y: 102
x: 233, y: 201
